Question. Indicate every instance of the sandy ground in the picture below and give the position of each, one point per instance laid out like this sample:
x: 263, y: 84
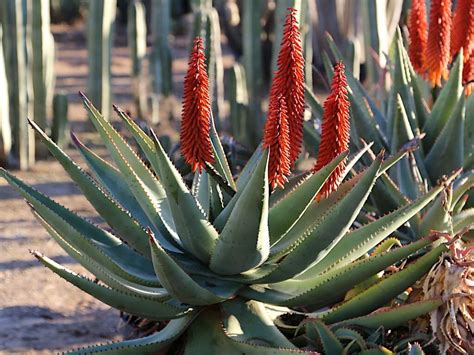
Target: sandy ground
x: 39, y: 312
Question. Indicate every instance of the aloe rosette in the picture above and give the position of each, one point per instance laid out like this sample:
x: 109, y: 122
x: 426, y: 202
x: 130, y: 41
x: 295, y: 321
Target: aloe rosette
x: 222, y: 281
x: 229, y: 265
x: 439, y: 140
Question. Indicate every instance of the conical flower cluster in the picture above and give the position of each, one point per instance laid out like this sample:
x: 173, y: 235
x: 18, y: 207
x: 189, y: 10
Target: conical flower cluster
x: 277, y: 139
x: 432, y: 51
x: 288, y: 82
x: 437, y: 55
x: 335, y: 130
x: 462, y: 34
x: 418, y: 32
x: 196, y: 145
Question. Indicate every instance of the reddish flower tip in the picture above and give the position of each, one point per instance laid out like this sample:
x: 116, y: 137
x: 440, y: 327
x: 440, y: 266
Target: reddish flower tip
x: 439, y: 38
x: 277, y: 138
x: 418, y: 32
x: 462, y: 33
x: 335, y: 130
x: 288, y: 81
x: 196, y: 145
x: 468, y: 74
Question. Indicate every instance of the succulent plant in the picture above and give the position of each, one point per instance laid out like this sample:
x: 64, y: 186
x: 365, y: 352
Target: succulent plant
x: 233, y: 265
x: 443, y: 136
x: 260, y: 257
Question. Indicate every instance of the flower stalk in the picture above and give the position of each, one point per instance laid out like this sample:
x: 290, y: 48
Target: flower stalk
x: 288, y: 82
x: 196, y: 145
x: 335, y: 130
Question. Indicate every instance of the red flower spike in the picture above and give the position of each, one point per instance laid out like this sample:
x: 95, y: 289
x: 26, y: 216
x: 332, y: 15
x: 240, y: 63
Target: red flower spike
x: 468, y: 74
x: 335, y: 130
x: 462, y: 33
x: 439, y: 38
x: 277, y: 139
x: 418, y: 33
x: 288, y: 81
x: 196, y: 145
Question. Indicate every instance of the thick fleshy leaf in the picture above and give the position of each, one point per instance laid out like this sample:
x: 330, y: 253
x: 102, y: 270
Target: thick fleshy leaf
x: 390, y: 318
x: 106, y: 276
x: 385, y: 290
x: 248, y: 321
x: 149, y: 344
x: 402, y: 84
x: 287, y: 211
x: 202, y: 191
x: 102, y: 246
x: 177, y: 281
x: 449, y: 143
x: 325, y: 232
x: 197, y: 235
x: 127, y: 302
x: 145, y: 187
x: 469, y: 134
x: 438, y: 215
x: 359, y: 241
x: 328, y: 339
x: 245, y: 237
x: 330, y: 287
x: 114, y: 215
x: 221, y: 164
x: 402, y: 134
x: 445, y: 104
x: 112, y: 180
x: 207, y: 336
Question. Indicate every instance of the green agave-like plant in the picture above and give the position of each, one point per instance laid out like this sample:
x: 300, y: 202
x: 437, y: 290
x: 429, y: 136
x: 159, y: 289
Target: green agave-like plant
x: 442, y: 134
x: 222, y: 262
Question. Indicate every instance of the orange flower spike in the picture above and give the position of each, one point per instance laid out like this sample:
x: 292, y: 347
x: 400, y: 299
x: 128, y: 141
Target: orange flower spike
x: 289, y: 81
x: 277, y: 138
x: 468, y: 74
x: 196, y: 145
x: 439, y: 37
x: 462, y: 34
x: 418, y: 33
x: 335, y: 130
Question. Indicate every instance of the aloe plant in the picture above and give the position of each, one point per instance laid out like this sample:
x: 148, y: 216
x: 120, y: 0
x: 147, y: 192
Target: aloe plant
x: 155, y: 266
x: 225, y: 261
x: 443, y: 135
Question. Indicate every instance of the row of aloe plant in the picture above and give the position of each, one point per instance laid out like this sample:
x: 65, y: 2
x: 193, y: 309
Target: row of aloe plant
x: 263, y: 262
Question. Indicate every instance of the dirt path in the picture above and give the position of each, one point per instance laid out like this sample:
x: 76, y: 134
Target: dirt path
x: 39, y: 312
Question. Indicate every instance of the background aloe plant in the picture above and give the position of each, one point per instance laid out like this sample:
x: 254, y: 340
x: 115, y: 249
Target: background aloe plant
x: 404, y: 118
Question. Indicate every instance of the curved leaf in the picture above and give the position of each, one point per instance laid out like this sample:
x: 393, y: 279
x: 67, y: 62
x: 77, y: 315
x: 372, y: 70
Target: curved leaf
x: 177, y: 281
x: 245, y: 238
x: 444, y: 104
x: 385, y: 290
x: 330, y: 343
x: 390, y: 318
x: 119, y: 219
x: 128, y: 302
x: 103, y: 247
x: 317, y: 240
x: 287, y: 212
x: 145, y: 187
x: 149, y: 344
x: 195, y: 232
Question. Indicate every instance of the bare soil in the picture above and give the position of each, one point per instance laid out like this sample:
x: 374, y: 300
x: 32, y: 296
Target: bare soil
x: 39, y: 312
